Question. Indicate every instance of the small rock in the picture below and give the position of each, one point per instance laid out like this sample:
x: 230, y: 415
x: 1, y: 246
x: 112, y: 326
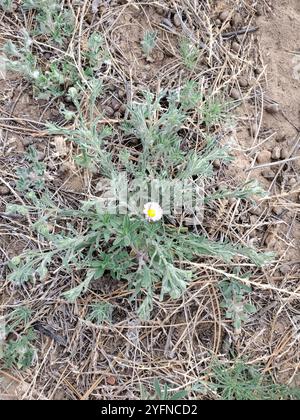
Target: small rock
x: 236, y: 20
x: 264, y: 157
x: 254, y: 130
x: 292, y: 182
x: 160, y: 10
x: 253, y: 219
x: 27, y: 141
x: 277, y: 210
x: 122, y: 109
x: 243, y: 82
x: 236, y: 47
x: 217, y: 164
x: 111, y: 88
x: 177, y: 20
x: 89, y: 18
x: 224, y: 16
x: 285, y: 270
x: 40, y: 156
x: 280, y: 137
x: 115, y: 104
x: 253, y: 234
x: 270, y: 241
x: 109, y: 112
x: 218, y: 22
x: 268, y: 174
x: 150, y: 59
x: 259, y: 10
x: 111, y: 380
x: 4, y: 190
x: 272, y: 108
x: 285, y: 154
x: 256, y: 211
x: 276, y: 154
x: 235, y: 94
x: 121, y: 93
x: 64, y: 168
x: 258, y: 71
x: 51, y: 165
x: 159, y: 55
x: 167, y: 22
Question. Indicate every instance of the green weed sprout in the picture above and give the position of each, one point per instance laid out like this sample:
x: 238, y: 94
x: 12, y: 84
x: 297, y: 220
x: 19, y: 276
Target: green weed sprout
x: 240, y: 381
x: 238, y: 308
x: 6, y: 5
x: 189, y: 53
x: 18, y: 351
x: 149, y: 42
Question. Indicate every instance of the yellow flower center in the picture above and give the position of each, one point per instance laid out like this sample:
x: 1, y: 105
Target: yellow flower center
x: 151, y: 213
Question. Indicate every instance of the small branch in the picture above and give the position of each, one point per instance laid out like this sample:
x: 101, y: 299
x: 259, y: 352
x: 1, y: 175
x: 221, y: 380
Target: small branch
x: 245, y: 31
x: 267, y: 165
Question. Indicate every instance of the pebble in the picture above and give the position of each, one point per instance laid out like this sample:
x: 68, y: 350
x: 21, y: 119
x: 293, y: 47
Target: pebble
x: 272, y: 108
x: 122, y: 109
x: 253, y: 129
x: 253, y: 219
x: 235, y: 94
x: 40, y: 156
x: 258, y: 71
x: 280, y: 137
x: 177, y: 20
x: 236, y: 20
x: 115, y: 104
x: 160, y: 10
x: 259, y: 10
x: 253, y: 234
x: 224, y: 16
x: 264, y: 157
x: 257, y: 211
x: 217, y: 164
x: 159, y: 55
x: 109, y: 112
x: 268, y: 174
x: 150, y: 59
x: 4, y: 190
x: 27, y: 141
x: 270, y: 241
x: 89, y: 18
x: 236, y: 47
x: 277, y: 210
x: 285, y: 269
x: 121, y: 93
x: 167, y: 23
x: 276, y: 154
x: 292, y: 182
x: 285, y: 154
x: 243, y: 82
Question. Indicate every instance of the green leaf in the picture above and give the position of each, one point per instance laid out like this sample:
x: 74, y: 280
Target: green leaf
x: 73, y: 294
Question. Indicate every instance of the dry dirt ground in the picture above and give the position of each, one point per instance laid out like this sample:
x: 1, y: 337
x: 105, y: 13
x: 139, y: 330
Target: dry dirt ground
x: 262, y: 75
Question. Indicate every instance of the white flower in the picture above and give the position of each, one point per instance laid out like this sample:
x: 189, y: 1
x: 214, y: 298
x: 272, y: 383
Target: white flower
x: 35, y: 74
x: 153, y: 212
